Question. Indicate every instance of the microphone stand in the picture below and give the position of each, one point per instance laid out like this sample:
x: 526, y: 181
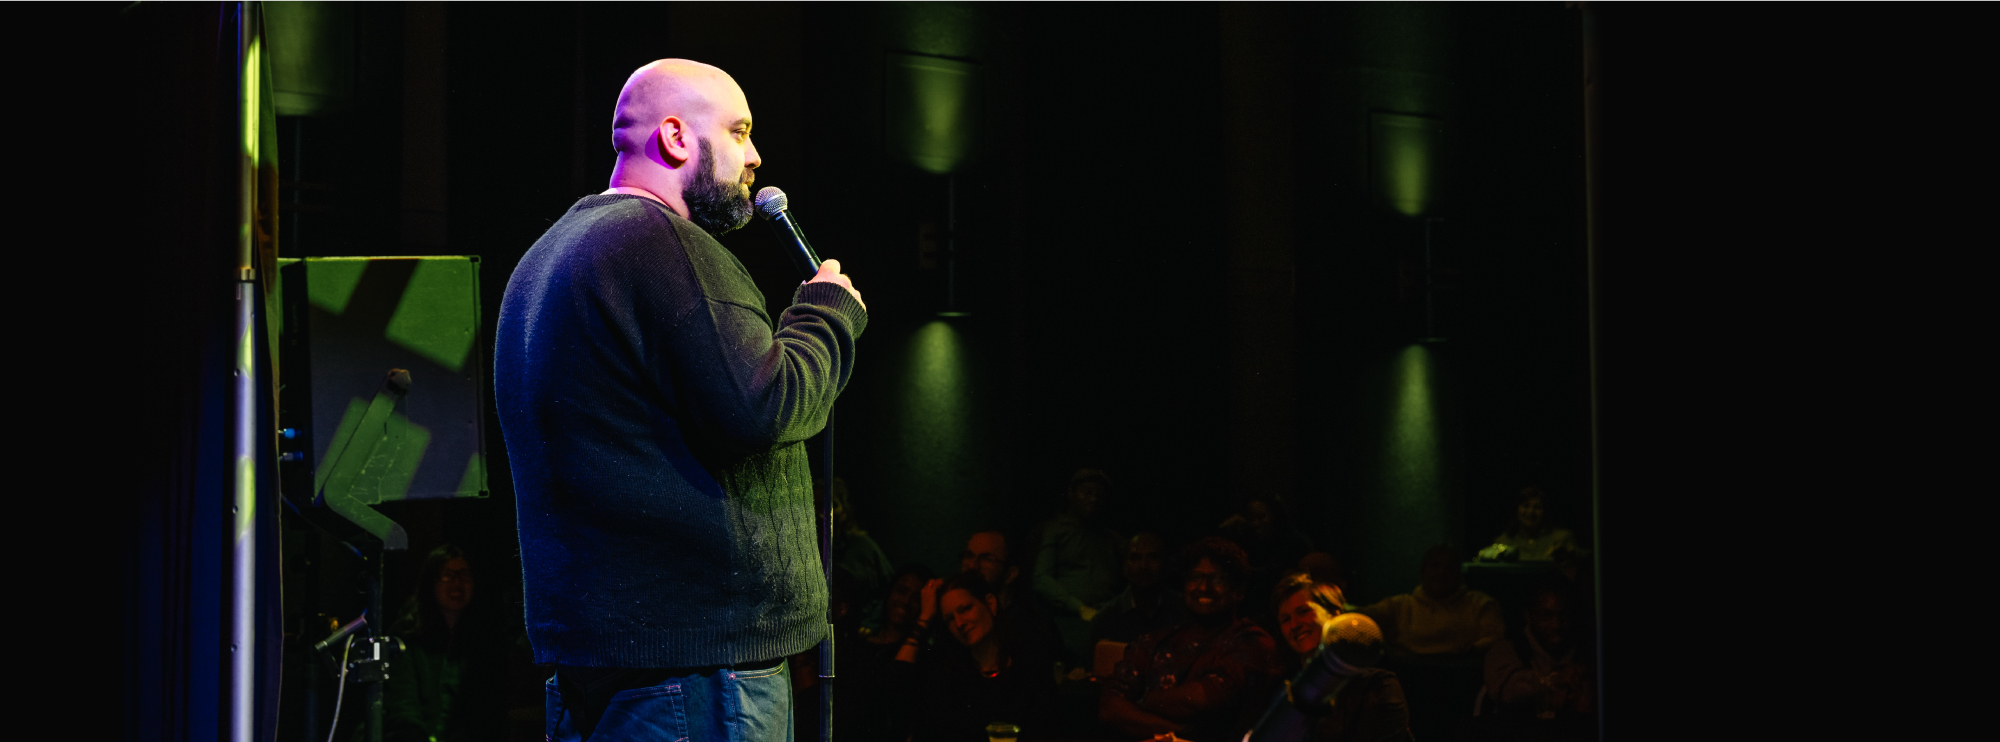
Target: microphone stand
x: 787, y: 231
x: 826, y: 570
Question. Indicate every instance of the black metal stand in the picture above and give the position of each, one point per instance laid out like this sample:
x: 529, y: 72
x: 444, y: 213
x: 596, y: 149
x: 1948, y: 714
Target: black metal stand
x: 826, y: 570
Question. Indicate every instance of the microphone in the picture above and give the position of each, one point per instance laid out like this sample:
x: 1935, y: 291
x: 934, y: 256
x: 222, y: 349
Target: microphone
x: 1349, y: 645
x: 776, y: 210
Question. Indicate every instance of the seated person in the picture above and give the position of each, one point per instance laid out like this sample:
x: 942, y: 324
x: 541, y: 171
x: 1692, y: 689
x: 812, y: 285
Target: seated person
x: 446, y: 685
x: 1077, y: 563
x: 1539, y: 672
x: 986, y: 553
x: 1346, y: 697
x: 872, y: 704
x: 1530, y: 537
x: 1147, y: 604
x: 856, y: 553
x: 1441, y: 618
x: 982, y: 676
x: 989, y: 555
x: 1195, y: 679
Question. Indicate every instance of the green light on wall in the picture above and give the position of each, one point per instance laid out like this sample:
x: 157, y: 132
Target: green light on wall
x: 1404, y: 150
x: 938, y: 400
x: 1412, y: 465
x: 931, y: 110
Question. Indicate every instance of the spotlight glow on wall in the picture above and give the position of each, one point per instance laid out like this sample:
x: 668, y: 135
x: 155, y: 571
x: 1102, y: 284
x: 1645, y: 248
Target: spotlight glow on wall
x: 930, y: 109
x: 1404, y: 151
x: 1412, y: 466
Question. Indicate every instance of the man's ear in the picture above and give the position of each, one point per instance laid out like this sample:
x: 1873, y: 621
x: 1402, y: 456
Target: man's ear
x: 992, y: 604
x: 674, y: 141
x: 1012, y: 572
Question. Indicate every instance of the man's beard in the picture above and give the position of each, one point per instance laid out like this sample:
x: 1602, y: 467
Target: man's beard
x: 717, y: 207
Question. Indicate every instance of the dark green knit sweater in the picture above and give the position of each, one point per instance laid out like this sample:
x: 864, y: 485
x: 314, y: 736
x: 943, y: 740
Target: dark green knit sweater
x: 655, y: 423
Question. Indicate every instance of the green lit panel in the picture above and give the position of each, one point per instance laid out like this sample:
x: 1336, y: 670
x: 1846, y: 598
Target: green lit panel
x: 421, y: 436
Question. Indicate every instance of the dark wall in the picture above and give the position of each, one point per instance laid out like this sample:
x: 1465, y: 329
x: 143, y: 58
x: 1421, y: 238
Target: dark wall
x: 1101, y: 271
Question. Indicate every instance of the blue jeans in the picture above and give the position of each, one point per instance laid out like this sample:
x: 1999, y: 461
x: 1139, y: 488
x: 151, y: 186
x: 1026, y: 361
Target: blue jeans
x: 719, y: 704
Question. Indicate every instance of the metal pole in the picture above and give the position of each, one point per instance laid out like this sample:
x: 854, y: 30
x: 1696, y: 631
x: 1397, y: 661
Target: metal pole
x: 826, y: 671
x: 375, y: 626
x: 1591, y: 160
x: 243, y: 434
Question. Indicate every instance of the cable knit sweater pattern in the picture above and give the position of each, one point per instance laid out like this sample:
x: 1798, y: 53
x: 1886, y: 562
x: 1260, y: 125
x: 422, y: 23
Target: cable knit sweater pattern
x: 655, y: 423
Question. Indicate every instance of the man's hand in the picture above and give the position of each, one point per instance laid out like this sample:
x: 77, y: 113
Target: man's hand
x: 829, y: 272
x: 1088, y: 613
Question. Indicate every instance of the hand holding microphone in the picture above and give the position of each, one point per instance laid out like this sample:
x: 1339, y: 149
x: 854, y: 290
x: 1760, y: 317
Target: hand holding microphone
x: 773, y: 206
x: 829, y: 272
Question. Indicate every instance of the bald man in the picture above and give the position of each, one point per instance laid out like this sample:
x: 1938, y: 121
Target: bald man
x: 656, y: 419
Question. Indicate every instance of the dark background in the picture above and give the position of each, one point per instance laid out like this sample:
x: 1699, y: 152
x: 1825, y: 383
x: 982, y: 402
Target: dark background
x: 1114, y: 310
x: 1128, y: 297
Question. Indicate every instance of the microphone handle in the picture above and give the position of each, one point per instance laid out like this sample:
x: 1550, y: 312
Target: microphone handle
x: 794, y: 239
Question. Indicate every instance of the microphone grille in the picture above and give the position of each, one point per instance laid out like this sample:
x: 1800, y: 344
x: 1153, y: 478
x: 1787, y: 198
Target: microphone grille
x: 771, y: 202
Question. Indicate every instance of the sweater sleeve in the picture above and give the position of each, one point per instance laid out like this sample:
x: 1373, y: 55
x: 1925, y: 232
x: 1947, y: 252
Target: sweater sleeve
x: 744, y: 384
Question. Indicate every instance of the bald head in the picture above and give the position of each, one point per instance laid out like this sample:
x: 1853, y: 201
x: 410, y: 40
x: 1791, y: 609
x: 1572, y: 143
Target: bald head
x: 689, y: 90
x: 682, y: 131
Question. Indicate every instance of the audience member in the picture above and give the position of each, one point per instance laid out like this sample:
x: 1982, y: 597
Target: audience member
x: 857, y: 554
x: 871, y: 705
x: 1303, y: 606
x: 447, y: 684
x: 1530, y: 537
x: 1442, y: 616
x: 1077, y: 562
x: 1269, y: 537
x: 1194, y: 679
x: 984, y: 675
x: 986, y: 553
x: 1350, y: 698
x: 1147, y: 604
x: 1540, y: 679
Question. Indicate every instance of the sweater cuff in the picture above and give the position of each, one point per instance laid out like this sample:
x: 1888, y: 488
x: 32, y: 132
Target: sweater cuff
x: 835, y: 297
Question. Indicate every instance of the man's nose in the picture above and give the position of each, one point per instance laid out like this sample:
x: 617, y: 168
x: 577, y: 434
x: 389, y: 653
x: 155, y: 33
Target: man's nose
x: 750, y: 157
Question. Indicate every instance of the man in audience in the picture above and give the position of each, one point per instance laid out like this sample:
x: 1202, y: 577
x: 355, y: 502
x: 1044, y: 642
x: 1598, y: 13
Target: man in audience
x: 1076, y: 564
x: 1539, y: 679
x: 1441, y: 617
x: 1194, y: 679
x: 987, y: 554
x: 857, y: 554
x: 1147, y: 604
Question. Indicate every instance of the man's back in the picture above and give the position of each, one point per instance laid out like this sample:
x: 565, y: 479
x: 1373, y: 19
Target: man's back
x: 655, y: 428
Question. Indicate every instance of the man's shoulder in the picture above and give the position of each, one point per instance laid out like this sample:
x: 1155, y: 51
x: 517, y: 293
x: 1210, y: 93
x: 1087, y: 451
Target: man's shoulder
x: 609, y: 226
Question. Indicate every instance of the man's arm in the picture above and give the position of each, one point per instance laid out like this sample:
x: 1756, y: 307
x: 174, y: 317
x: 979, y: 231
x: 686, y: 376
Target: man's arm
x: 1217, y: 683
x: 752, y: 387
x: 1115, y: 709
